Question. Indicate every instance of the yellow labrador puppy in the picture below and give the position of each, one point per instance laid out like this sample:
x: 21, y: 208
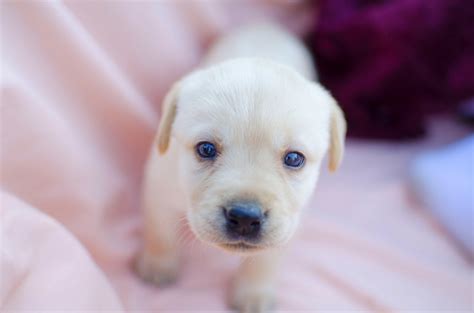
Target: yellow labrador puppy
x: 238, y: 150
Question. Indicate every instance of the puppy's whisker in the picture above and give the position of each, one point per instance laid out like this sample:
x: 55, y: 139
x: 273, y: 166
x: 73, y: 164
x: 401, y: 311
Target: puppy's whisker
x: 184, y: 237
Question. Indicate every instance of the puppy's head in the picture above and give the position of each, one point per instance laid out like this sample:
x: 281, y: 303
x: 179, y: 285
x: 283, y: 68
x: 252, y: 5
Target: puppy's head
x: 251, y: 136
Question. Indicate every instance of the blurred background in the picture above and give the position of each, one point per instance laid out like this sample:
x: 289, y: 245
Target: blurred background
x: 81, y: 87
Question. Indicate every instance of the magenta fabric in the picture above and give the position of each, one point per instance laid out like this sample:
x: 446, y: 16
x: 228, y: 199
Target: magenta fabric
x: 392, y: 63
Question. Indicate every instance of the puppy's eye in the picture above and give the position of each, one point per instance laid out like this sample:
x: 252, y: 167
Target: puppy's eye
x: 294, y: 159
x: 206, y: 150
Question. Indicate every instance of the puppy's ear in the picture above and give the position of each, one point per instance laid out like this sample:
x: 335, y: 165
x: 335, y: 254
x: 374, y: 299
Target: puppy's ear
x: 167, y: 118
x: 337, y: 132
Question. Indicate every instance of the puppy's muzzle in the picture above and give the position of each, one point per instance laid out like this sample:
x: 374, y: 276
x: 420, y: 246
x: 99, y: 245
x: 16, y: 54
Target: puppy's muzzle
x: 244, y: 220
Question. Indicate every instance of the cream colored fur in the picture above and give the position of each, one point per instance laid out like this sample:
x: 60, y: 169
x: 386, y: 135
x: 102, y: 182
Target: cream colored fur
x: 255, y: 99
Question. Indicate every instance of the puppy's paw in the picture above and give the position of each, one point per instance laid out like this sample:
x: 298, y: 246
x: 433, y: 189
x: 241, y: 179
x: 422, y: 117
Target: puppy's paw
x: 246, y: 298
x: 159, y: 270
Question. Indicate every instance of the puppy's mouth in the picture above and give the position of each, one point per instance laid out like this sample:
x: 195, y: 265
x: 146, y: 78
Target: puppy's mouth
x: 242, y: 247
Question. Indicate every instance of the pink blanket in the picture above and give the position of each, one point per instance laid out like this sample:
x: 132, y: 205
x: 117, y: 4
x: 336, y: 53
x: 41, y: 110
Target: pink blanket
x: 81, y: 87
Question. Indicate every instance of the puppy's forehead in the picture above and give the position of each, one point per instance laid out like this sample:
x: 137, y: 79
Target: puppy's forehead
x: 251, y: 98
x: 242, y: 85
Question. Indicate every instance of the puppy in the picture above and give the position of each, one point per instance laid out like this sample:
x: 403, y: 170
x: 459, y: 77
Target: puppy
x: 238, y: 150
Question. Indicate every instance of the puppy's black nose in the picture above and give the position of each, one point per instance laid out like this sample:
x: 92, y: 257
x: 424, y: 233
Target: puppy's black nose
x: 244, y: 219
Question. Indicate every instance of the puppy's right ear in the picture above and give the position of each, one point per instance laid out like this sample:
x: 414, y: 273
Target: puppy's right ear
x: 337, y: 131
x: 167, y: 118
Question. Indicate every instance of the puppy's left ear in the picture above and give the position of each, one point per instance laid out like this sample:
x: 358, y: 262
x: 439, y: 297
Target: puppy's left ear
x: 337, y: 132
x: 168, y: 115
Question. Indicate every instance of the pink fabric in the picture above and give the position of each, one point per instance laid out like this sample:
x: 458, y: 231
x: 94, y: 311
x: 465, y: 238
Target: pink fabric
x: 41, y: 263
x: 81, y: 86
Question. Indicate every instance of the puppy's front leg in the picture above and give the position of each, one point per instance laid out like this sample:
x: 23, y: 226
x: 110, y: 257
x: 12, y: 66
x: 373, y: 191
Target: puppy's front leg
x: 253, y: 289
x: 158, y: 263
